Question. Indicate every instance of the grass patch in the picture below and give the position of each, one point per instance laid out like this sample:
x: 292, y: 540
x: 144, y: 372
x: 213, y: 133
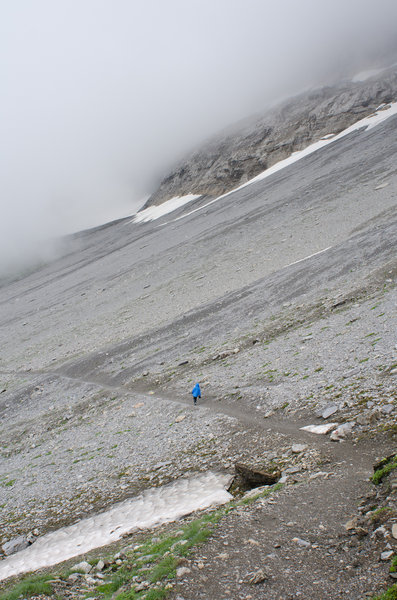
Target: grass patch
x: 8, y: 483
x: 393, y: 566
x: 379, y: 513
x: 386, y: 466
x: 31, y: 586
x: 390, y: 594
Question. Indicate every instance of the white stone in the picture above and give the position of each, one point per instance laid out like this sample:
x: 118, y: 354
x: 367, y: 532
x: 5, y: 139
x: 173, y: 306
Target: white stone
x: 82, y: 566
x: 302, y: 543
x: 320, y: 429
x: 182, y: 571
x: 298, y: 448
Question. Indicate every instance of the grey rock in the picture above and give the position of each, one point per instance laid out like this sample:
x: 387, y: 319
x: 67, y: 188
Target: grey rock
x: 259, y: 576
x: 329, y: 410
x: 351, y: 524
x: 293, y: 470
x: 298, y: 448
x: 351, y: 373
x: 82, y: 566
x: 182, y: 571
x: 387, y: 409
x: 15, y: 545
x: 31, y: 537
x: 386, y: 555
x: 302, y: 543
x: 380, y: 532
x: 142, y: 586
x: 363, y: 419
x: 255, y: 491
x: 342, y: 432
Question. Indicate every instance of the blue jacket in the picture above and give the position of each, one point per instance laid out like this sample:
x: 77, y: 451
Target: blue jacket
x: 196, y: 391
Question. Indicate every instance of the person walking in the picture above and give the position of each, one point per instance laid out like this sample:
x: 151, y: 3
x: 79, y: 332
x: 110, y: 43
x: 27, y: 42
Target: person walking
x: 196, y: 392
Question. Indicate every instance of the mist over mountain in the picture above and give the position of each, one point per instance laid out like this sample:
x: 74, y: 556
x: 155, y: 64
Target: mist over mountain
x: 232, y: 158
x: 100, y: 102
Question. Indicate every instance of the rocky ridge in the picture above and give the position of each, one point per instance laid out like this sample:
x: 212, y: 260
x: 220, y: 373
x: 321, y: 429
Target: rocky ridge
x: 243, y: 152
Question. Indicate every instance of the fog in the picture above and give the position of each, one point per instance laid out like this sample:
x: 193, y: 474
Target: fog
x: 99, y: 98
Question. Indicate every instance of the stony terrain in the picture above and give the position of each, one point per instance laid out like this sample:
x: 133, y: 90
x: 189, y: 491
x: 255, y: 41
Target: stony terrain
x: 237, y: 155
x: 281, y: 300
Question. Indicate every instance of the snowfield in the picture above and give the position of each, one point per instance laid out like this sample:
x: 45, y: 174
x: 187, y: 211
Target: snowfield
x: 151, y: 508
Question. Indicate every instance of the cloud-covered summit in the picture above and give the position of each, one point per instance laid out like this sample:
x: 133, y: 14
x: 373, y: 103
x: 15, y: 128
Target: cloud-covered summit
x: 100, y: 99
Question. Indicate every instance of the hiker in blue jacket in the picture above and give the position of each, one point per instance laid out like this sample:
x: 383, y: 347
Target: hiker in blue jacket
x: 196, y: 393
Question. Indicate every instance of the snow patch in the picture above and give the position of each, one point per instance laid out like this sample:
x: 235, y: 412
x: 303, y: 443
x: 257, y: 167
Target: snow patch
x: 307, y: 257
x: 155, y: 212
x: 153, y: 507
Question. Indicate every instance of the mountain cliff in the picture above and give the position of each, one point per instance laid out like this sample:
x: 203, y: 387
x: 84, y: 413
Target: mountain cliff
x: 237, y: 155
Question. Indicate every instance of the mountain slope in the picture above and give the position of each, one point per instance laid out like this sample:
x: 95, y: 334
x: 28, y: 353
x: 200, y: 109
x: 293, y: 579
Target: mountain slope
x: 280, y: 299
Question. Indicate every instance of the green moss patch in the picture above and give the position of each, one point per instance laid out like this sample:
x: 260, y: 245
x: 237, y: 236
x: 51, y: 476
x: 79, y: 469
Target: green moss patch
x: 384, y: 468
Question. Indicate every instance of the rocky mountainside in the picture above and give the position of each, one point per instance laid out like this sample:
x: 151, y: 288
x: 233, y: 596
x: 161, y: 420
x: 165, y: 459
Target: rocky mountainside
x: 280, y: 299
x: 242, y: 153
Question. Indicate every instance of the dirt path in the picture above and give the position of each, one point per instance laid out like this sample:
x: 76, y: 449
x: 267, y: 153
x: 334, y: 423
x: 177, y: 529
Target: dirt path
x: 244, y: 416
x: 297, y: 538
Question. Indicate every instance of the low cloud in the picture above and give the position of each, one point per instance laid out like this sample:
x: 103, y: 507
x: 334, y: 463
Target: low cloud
x: 100, y: 99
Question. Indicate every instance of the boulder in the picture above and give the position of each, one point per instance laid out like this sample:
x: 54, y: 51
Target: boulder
x: 83, y: 566
x: 15, y: 545
x: 342, y: 431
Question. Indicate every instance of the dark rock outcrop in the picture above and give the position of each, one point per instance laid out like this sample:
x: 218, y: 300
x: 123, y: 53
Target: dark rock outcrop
x: 253, y: 477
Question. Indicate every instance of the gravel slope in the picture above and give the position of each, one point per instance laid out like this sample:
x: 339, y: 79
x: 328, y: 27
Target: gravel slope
x: 93, y: 345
